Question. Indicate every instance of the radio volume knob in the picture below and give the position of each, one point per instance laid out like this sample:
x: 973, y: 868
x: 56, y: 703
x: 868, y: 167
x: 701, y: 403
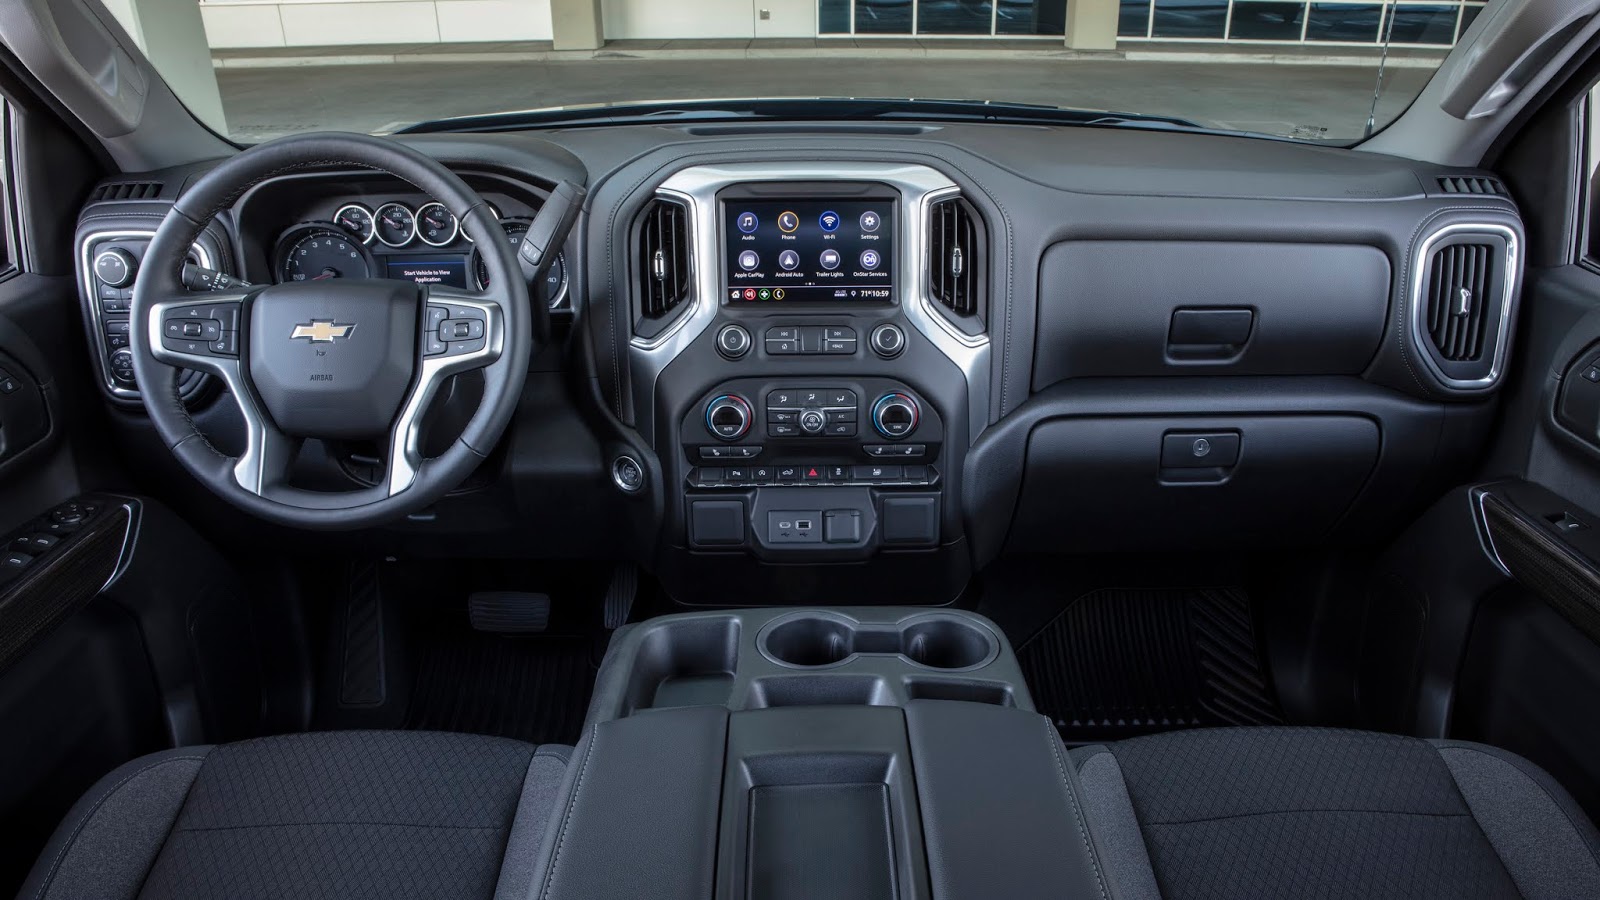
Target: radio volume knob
x: 733, y: 341
x: 896, y: 415
x: 812, y: 420
x: 728, y: 417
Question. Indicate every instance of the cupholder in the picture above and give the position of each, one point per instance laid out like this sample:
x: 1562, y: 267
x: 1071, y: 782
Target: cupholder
x: 938, y: 641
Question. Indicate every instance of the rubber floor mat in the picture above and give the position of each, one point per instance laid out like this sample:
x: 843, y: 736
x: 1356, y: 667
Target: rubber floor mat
x: 1121, y: 663
x: 534, y: 689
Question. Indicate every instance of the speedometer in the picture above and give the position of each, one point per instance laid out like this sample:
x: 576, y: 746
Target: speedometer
x: 318, y: 253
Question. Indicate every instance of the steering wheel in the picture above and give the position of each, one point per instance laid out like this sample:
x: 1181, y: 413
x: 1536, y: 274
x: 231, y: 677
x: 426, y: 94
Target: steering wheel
x: 332, y: 359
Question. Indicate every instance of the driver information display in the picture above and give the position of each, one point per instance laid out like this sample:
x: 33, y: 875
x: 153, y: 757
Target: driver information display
x: 809, y: 250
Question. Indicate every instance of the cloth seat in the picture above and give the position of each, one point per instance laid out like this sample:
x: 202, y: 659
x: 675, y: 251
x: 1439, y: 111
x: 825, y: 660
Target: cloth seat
x: 1324, y: 813
x: 325, y: 815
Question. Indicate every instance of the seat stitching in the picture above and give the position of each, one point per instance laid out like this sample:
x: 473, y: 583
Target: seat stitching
x: 566, y: 815
x: 55, y: 864
x: 320, y: 824
x: 1297, y: 812
x: 1077, y: 814
x: 1558, y: 805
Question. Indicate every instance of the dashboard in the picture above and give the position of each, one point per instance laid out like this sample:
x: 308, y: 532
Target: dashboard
x: 872, y: 359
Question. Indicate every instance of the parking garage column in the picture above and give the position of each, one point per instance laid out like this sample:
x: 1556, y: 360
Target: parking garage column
x: 1092, y: 24
x: 576, y: 25
x: 173, y: 33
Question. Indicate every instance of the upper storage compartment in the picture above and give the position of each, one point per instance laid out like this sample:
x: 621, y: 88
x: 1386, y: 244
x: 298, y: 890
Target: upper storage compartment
x: 1133, y: 308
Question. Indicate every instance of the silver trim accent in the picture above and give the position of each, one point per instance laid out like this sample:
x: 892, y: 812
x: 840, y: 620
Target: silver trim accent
x: 697, y: 186
x: 377, y: 226
x: 1481, y: 520
x: 115, y: 253
x: 405, y: 452
x: 97, y: 340
x: 1421, y: 263
x: 372, y: 218
x: 266, y: 448
x: 417, y: 225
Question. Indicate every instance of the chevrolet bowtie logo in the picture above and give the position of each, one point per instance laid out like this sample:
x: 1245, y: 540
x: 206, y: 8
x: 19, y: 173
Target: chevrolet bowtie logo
x: 321, y: 331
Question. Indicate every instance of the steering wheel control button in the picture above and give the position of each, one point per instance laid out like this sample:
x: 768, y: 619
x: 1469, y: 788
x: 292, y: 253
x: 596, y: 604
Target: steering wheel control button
x: 888, y: 341
x: 733, y: 341
x: 728, y: 417
x: 627, y: 475
x: 461, y: 329
x: 115, y: 267
x: 895, y: 415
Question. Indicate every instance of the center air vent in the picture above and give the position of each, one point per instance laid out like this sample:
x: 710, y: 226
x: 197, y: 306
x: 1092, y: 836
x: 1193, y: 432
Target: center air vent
x: 956, y: 257
x: 662, y: 263
x: 1463, y: 302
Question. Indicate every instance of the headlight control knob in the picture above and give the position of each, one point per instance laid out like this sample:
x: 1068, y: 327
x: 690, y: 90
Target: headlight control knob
x: 728, y: 417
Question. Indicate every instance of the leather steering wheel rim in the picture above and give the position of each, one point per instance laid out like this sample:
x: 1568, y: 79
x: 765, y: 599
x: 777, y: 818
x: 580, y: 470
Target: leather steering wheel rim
x: 159, y: 289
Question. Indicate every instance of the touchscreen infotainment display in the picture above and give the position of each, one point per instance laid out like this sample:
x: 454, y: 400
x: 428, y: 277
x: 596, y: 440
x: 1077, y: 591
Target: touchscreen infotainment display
x: 791, y: 251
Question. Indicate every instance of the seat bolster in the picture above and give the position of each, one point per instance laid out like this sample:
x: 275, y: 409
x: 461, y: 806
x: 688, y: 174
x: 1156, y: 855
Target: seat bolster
x: 110, y: 838
x: 1115, y: 829
x: 1549, y: 847
x: 535, y: 810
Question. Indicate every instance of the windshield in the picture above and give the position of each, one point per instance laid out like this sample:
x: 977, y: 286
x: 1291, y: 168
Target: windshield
x: 1319, y: 70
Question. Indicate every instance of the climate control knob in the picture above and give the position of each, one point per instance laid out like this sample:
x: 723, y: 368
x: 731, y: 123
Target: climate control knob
x: 896, y: 415
x: 812, y: 421
x: 728, y: 417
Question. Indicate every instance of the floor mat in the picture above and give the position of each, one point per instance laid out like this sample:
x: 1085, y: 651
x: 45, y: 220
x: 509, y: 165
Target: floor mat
x: 1121, y: 663
x: 534, y: 689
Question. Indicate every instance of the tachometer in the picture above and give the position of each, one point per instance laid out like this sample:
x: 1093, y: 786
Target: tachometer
x: 357, y: 220
x: 555, y: 277
x: 436, y: 225
x: 319, y: 252
x: 397, y: 224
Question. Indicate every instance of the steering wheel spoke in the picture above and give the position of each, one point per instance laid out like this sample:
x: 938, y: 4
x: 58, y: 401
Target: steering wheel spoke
x: 461, y: 331
x: 199, y: 331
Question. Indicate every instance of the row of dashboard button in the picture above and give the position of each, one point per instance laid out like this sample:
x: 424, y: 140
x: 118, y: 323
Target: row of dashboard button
x: 733, y: 476
x: 789, y: 340
x: 751, y: 451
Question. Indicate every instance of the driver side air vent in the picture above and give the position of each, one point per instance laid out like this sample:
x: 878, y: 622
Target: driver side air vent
x: 1473, y: 184
x: 1460, y: 281
x: 126, y: 190
x: 956, y: 256
x: 663, y: 259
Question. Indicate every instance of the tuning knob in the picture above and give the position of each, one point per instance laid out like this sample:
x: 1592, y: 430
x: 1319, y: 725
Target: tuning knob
x: 115, y: 267
x: 896, y: 415
x: 888, y: 341
x: 728, y: 417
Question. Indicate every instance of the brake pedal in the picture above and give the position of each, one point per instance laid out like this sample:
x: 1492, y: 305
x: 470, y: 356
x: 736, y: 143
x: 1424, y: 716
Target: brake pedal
x: 509, y: 612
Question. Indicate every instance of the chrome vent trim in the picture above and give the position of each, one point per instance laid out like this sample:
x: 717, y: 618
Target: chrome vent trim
x: 956, y: 256
x: 664, y: 257
x: 1470, y: 335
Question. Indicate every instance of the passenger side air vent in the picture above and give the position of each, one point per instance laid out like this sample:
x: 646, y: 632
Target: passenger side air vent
x: 1473, y: 185
x: 956, y: 257
x: 1459, y: 281
x: 1463, y: 302
x: 126, y: 190
x: 663, y: 260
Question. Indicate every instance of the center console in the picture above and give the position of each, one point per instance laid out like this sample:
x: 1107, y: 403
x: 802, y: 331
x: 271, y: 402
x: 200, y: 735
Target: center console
x: 859, y: 753
x: 811, y: 403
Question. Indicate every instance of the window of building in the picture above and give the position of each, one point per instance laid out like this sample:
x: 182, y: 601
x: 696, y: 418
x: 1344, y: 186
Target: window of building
x: 958, y: 18
x: 1416, y: 23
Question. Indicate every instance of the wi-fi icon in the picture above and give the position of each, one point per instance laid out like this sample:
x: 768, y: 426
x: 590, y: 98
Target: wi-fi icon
x: 829, y: 220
